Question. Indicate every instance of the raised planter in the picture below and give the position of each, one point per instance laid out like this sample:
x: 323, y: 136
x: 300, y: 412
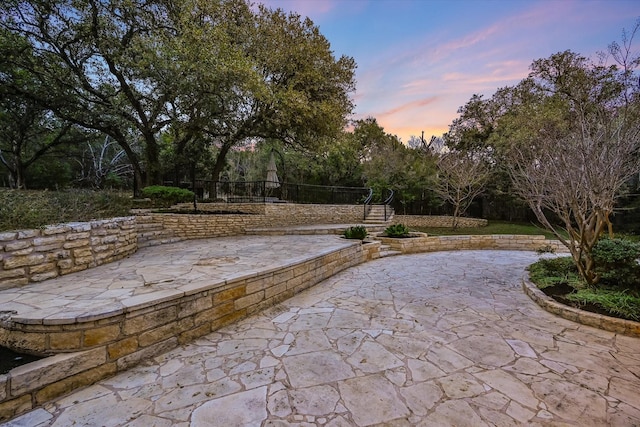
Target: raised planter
x: 608, y: 323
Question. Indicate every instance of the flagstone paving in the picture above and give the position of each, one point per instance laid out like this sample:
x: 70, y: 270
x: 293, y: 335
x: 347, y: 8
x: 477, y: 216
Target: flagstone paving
x: 438, y: 339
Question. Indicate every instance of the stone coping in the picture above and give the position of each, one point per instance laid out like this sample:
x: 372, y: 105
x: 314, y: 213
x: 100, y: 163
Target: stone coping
x: 608, y: 323
x: 111, y: 341
x: 59, y: 315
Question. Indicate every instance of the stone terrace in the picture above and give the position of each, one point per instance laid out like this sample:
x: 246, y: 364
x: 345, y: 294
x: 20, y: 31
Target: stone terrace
x: 436, y: 339
x: 109, y: 318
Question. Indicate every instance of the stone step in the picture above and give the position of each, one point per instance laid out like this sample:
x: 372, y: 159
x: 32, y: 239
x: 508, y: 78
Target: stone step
x: 385, y: 251
x: 376, y: 214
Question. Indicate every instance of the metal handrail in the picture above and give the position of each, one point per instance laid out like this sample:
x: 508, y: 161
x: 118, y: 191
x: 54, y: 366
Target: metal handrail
x: 367, y: 204
x: 265, y: 191
x: 387, y: 201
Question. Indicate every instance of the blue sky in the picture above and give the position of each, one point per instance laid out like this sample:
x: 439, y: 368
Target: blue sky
x: 420, y: 60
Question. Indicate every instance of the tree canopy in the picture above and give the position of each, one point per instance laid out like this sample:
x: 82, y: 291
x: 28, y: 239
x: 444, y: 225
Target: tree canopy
x: 568, y: 139
x: 214, y: 72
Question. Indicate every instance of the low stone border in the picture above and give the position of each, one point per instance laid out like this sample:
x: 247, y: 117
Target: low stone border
x: 425, y: 243
x: 438, y: 221
x: 611, y: 324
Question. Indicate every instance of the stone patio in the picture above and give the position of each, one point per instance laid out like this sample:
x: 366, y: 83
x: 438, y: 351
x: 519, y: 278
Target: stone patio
x: 436, y: 339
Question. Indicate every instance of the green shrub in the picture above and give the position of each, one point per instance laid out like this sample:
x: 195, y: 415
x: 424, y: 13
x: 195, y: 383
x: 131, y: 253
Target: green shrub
x: 27, y: 209
x: 166, y: 196
x: 397, y: 230
x: 356, y: 232
x: 555, y: 271
x: 616, y: 261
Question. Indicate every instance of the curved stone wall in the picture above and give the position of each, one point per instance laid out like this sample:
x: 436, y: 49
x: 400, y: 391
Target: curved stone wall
x: 40, y: 254
x: 437, y: 221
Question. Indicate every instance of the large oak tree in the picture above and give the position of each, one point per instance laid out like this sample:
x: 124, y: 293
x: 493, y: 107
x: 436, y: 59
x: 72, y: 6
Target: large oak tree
x: 216, y: 73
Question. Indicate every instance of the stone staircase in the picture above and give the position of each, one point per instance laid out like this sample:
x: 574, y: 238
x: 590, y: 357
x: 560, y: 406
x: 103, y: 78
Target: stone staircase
x: 376, y: 215
x: 386, y: 250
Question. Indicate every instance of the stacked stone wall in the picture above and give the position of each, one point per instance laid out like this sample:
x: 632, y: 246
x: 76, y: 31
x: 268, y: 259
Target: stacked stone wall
x: 158, y: 228
x: 40, y: 254
x: 437, y: 221
x: 453, y: 243
x: 282, y: 214
x: 100, y: 347
x: 247, y: 208
x: 206, y: 226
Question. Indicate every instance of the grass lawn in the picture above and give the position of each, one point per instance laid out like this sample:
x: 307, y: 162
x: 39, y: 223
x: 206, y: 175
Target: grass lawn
x: 494, y: 227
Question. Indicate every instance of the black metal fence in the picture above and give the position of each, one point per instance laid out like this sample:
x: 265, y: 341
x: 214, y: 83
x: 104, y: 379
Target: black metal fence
x: 266, y: 192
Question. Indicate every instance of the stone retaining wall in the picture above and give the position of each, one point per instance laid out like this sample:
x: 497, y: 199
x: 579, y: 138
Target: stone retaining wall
x: 452, y: 243
x: 184, y: 226
x: 437, y: 221
x: 282, y: 214
x: 40, y: 254
x: 102, y: 347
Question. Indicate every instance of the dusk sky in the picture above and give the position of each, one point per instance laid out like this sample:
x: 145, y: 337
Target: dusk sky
x: 420, y: 60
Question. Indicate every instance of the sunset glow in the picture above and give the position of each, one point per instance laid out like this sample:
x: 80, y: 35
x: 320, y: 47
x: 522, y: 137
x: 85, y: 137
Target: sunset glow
x: 420, y: 60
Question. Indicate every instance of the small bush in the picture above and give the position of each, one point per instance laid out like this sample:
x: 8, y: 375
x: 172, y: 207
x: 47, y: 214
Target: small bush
x: 616, y: 261
x: 397, y: 230
x: 356, y: 232
x: 167, y: 196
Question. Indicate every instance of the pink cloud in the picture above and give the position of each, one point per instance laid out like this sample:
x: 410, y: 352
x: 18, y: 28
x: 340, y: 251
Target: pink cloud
x: 407, y: 106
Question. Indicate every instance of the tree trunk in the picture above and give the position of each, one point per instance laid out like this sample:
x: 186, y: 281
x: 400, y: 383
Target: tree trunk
x: 154, y: 172
x: 221, y: 160
x: 20, y: 178
x: 456, y: 213
x: 135, y: 163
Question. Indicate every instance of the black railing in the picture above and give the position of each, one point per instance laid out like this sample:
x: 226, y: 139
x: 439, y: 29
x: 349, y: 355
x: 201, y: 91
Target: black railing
x: 386, y: 197
x: 387, y: 202
x: 367, y: 204
x: 265, y: 192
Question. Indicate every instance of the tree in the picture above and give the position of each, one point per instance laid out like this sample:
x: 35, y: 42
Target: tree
x: 462, y: 176
x: 101, y: 63
x: 217, y: 72
x: 27, y: 134
x: 576, y: 147
x: 103, y: 164
x: 389, y: 164
x: 28, y: 129
x: 299, y: 94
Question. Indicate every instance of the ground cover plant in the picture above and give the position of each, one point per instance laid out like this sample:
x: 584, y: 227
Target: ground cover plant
x: 26, y: 209
x: 617, y: 292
